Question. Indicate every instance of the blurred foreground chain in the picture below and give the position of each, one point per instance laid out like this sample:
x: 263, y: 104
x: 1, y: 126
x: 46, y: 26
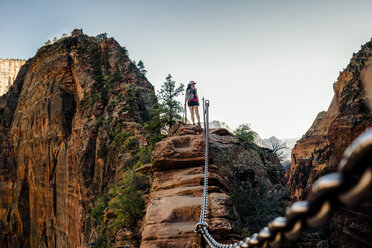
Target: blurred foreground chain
x: 347, y: 186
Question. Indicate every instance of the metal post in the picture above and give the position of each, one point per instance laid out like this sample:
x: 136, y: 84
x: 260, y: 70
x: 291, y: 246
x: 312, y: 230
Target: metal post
x: 204, y: 113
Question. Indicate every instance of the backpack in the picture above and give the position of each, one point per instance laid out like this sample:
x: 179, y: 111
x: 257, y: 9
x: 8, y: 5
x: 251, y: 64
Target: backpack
x: 190, y: 94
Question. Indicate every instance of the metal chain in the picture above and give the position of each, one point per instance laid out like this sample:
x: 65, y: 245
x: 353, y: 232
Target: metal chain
x: 347, y: 186
x: 203, y: 213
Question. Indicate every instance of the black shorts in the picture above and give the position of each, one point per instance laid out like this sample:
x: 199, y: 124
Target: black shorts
x: 192, y: 103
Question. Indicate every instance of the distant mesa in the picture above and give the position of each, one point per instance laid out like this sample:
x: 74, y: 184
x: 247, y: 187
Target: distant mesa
x: 287, y: 142
x: 220, y: 124
x: 9, y: 69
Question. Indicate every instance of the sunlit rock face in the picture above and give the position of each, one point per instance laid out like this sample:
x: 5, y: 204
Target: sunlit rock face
x: 9, y: 69
x: 320, y: 150
x: 63, y: 105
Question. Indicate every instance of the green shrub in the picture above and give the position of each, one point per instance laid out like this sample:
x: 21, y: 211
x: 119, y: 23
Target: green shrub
x: 118, y: 137
x: 245, y: 133
x: 131, y: 162
x: 127, y: 203
x: 256, y: 209
x: 116, y: 76
x: 122, y: 137
x: 156, y: 124
x: 122, y: 54
x: 131, y: 101
x: 100, y: 205
x: 101, y: 239
x: 132, y: 144
x: 144, y: 154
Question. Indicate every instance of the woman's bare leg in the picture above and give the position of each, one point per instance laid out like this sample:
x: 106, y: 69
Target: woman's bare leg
x: 192, y: 114
x: 196, y: 110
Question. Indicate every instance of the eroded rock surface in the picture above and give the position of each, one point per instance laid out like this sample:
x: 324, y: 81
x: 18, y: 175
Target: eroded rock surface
x: 176, y: 194
x: 62, y: 125
x: 320, y: 150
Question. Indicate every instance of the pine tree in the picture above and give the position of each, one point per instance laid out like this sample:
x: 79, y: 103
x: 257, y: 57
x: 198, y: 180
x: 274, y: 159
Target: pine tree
x: 102, y: 36
x: 156, y: 124
x: 169, y: 106
x: 141, y: 67
x: 131, y: 100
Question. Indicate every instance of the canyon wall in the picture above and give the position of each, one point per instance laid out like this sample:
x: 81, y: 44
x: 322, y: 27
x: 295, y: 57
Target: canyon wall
x: 8, y: 72
x: 320, y: 150
x: 60, y: 126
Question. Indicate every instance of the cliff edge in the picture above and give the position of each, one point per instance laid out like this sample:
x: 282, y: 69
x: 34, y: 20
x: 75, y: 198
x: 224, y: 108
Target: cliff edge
x: 60, y: 127
x: 320, y: 150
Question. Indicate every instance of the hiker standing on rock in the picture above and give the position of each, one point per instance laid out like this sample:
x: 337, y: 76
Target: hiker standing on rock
x: 192, y: 101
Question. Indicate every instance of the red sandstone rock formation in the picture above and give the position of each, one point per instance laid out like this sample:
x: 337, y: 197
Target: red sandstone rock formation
x: 235, y: 172
x: 321, y: 148
x: 176, y: 194
x: 58, y: 147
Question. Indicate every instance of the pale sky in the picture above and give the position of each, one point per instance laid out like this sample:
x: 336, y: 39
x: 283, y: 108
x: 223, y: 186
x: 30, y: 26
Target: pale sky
x: 267, y: 63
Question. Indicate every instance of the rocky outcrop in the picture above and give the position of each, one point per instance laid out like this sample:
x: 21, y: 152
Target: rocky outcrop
x: 64, y: 128
x: 176, y: 194
x: 255, y: 178
x: 8, y: 72
x: 321, y: 148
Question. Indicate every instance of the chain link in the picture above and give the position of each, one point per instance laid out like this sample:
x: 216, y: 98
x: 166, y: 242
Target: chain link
x: 347, y: 186
x: 203, y: 213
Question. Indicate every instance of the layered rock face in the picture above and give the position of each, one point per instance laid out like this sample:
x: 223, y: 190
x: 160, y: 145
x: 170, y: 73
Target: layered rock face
x: 9, y: 69
x: 320, y: 150
x: 176, y: 194
x: 59, y: 145
x: 177, y: 190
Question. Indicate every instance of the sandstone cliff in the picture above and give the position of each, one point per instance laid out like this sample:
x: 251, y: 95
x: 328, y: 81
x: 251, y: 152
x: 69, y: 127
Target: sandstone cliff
x: 246, y: 188
x: 69, y: 125
x: 8, y: 72
x: 321, y: 148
